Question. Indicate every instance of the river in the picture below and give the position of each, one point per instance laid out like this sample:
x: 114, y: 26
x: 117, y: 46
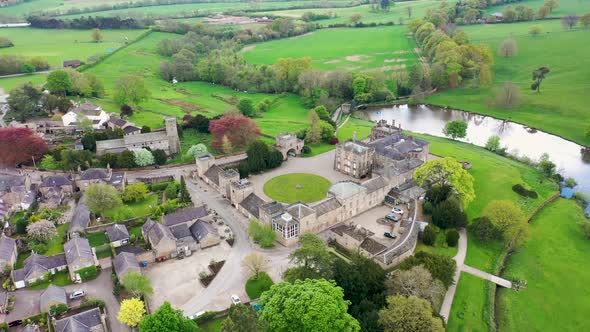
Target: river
x: 516, y: 138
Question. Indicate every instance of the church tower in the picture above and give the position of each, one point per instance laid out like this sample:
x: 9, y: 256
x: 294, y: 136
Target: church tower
x: 172, y: 134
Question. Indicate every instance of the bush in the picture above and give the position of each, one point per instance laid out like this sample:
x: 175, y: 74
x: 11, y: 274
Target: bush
x: 256, y: 286
x: 570, y: 182
x: 58, y: 309
x: 427, y: 207
x: 262, y: 234
x: 483, y: 229
x: 171, y: 191
x: 159, y: 186
x: 441, y: 267
x: 586, y: 228
x: 448, y: 214
x: 159, y: 156
x: 206, y: 317
x: 429, y: 235
x: 306, y: 149
x: 334, y: 140
x: 522, y: 191
x: 92, y: 303
x: 452, y: 237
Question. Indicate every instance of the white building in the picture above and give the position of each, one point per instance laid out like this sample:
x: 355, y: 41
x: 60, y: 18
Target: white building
x: 88, y: 110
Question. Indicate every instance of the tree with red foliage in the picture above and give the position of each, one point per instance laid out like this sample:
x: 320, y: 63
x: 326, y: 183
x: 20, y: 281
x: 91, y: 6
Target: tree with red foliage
x: 240, y: 130
x: 18, y: 145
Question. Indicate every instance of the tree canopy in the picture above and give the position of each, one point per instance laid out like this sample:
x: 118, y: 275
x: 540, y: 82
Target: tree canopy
x: 455, y: 129
x: 20, y: 145
x: 131, y: 312
x: 447, y: 171
x: 409, y: 314
x: 312, y: 260
x: 167, y: 319
x: 508, y: 219
x: 102, y: 197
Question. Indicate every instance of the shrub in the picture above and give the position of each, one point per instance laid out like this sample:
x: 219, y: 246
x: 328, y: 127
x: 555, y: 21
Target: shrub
x: 159, y: 156
x: 586, y: 228
x: 429, y: 235
x: 483, y: 229
x: 448, y: 214
x: 206, y: 317
x: 88, y: 273
x: 441, y: 267
x: 334, y: 140
x: 92, y: 303
x: 452, y: 237
x: 306, y: 149
x: 427, y: 207
x: 522, y: 191
x: 58, y: 309
x: 570, y: 182
x: 262, y: 234
x: 171, y: 191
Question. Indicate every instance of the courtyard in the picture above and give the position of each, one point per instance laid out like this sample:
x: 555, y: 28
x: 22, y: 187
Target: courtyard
x: 297, y: 187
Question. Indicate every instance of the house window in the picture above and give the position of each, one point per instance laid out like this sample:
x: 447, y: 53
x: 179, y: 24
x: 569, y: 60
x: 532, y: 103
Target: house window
x: 291, y: 231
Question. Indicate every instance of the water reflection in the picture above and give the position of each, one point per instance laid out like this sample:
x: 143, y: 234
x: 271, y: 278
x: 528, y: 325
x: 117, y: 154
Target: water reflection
x: 572, y: 159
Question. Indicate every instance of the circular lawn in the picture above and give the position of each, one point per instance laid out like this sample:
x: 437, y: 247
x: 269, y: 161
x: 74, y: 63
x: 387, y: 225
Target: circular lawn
x: 297, y: 187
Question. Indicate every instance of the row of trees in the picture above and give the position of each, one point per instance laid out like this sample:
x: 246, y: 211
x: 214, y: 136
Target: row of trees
x: 45, y: 22
x: 71, y: 82
x: 16, y: 64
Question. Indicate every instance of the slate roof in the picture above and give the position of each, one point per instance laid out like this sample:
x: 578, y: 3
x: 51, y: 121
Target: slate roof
x: 156, y: 232
x: 185, y: 214
x: 125, y: 262
x: 94, y: 174
x: 38, y: 263
x: 299, y: 210
x: 252, y: 204
x: 397, y: 146
x: 180, y: 231
x: 117, y: 232
x: 8, y: 181
x: 7, y: 247
x: 357, y: 232
x: 80, y: 217
x: 356, y: 147
x: 144, y: 138
x: 82, y: 322
x: 346, y: 189
x: 131, y: 129
x: 77, y: 247
x: 326, y: 205
x: 52, y: 295
x: 374, y: 184
x: 31, y: 328
x: 273, y: 208
x: 55, y: 181
x: 372, y: 246
x: 213, y: 173
x: 201, y: 228
x: 117, y: 121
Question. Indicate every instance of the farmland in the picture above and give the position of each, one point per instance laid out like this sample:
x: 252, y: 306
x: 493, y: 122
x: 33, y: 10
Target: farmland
x: 65, y: 45
x: 566, y: 7
x: 561, y: 107
x: 383, y: 48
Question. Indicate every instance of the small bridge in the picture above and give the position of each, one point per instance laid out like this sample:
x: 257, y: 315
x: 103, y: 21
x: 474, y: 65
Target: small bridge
x: 484, y: 275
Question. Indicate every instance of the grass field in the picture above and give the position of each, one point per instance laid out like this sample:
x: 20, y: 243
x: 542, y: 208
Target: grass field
x: 55, y: 246
x: 566, y: 7
x: 213, y: 326
x: 97, y: 239
x: 135, y: 209
x: 350, y: 49
x: 58, y: 45
x: 297, y: 187
x: 469, y: 305
x: 7, y: 84
x: 256, y: 286
x: 398, y: 10
x: 554, y: 263
x: 562, y: 106
x: 440, y: 245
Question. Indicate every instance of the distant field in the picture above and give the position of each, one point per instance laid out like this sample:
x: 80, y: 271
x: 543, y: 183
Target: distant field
x: 398, y: 11
x: 7, y: 84
x: 58, y: 45
x: 350, y: 49
x: 562, y: 106
x: 27, y: 7
x: 566, y: 7
x: 554, y: 263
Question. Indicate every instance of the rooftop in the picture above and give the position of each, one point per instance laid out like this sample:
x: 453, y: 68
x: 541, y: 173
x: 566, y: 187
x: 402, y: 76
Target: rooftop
x: 85, y: 321
x: 185, y: 214
x: 346, y: 189
x: 117, y: 232
x: 76, y: 248
x: 94, y: 174
x: 55, y: 181
x: 125, y: 262
x: 252, y: 204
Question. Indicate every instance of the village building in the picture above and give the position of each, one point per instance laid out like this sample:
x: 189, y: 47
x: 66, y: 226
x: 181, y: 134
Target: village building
x: 100, y: 176
x: 8, y: 252
x: 91, y: 320
x: 160, y: 238
x: 87, y: 110
x: 289, y: 145
x: 72, y: 63
x: 80, y: 218
x: 166, y: 140
x: 54, y: 189
x: 124, y: 263
x: 205, y: 234
x: 79, y: 255
x: 118, y: 235
x: 53, y: 295
x: 16, y: 192
x: 38, y: 267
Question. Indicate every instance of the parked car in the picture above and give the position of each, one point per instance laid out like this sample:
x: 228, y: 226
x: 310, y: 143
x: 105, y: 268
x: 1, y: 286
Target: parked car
x: 197, y: 315
x: 77, y: 294
x: 397, y: 210
x: 235, y: 299
x: 392, y: 217
x: 14, y: 323
x: 390, y: 235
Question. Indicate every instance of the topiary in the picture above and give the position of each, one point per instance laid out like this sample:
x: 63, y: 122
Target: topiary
x: 452, y: 237
x: 429, y: 235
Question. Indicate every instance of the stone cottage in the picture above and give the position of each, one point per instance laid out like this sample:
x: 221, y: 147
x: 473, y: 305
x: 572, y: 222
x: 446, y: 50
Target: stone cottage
x: 79, y: 256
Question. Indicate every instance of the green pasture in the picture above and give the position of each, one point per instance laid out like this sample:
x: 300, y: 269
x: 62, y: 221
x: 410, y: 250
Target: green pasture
x: 469, y: 305
x: 9, y: 83
x: 562, y: 106
x: 566, y: 7
x: 554, y: 264
x: 58, y: 45
x: 350, y: 49
x: 297, y: 187
x: 24, y: 8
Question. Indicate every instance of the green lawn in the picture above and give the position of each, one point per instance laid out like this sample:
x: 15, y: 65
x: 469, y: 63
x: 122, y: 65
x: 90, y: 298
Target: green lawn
x: 562, y: 106
x: 440, y: 245
x: 26, y: 7
x: 297, y: 187
x: 135, y: 209
x: 213, y: 326
x: 361, y: 127
x: 61, y: 278
x: 554, y: 262
x: 55, y: 246
x: 58, y: 45
x: 20, y: 260
x: 350, y: 49
x: 97, y: 239
x: 7, y: 84
x: 566, y: 7
x: 256, y: 286
x: 469, y: 305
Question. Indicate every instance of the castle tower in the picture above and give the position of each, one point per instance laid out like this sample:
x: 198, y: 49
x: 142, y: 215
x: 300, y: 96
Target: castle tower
x: 172, y: 134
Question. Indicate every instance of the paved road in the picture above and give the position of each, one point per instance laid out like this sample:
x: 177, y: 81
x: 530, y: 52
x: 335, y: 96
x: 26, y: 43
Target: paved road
x: 232, y: 277
x: 459, y: 258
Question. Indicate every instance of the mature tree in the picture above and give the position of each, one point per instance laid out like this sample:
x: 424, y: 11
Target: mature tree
x: 27, y: 68
x: 538, y: 77
x: 126, y: 110
x: 50, y: 103
x: 131, y: 89
x: 262, y: 234
x: 246, y: 107
x: 483, y: 229
x: 455, y: 129
x: 569, y: 21
x: 102, y: 197
x: 509, y: 220
x: 131, y: 312
x: 355, y: 18
x: 535, y: 30
x: 197, y: 150
x: 441, y: 267
x: 89, y: 141
x: 287, y: 71
x: 551, y: 4
x: 242, y: 318
x: 20, y: 145
x: 310, y: 305
x: 146, y: 129
x: 449, y: 172
x: 255, y: 263
x: 96, y: 35
x: 126, y: 159
x: 135, y: 192
x: 543, y: 12
x: 452, y: 237
x: 143, y: 157
x: 361, y: 278
x: 42, y: 231
x: 24, y: 101
x: 167, y: 319
x: 159, y: 156
x: 508, y: 95
x: 312, y: 260
x: 410, y: 314
x: 314, y: 133
x: 546, y: 166
x: 448, y: 214
x: 239, y: 129
x: 198, y: 122
x: 137, y: 284
x: 570, y: 182
x: 493, y: 143
x: 59, y: 82
x: 185, y: 196
x: 48, y: 162
x: 429, y: 235
x: 585, y: 20
x: 258, y: 154
x: 416, y: 281
x: 508, y: 48
x: 71, y: 160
